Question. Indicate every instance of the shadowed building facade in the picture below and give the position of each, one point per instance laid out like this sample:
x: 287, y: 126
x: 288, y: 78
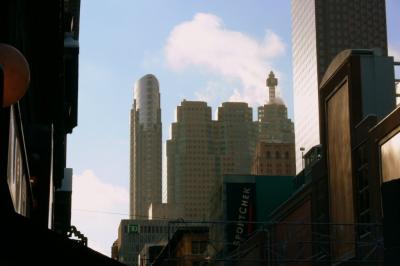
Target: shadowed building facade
x: 320, y: 30
x: 145, y: 161
x: 201, y: 151
x: 191, y: 159
x: 236, y: 138
x: 274, y: 159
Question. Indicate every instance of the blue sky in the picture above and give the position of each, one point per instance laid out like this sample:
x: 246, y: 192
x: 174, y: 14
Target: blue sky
x: 122, y: 40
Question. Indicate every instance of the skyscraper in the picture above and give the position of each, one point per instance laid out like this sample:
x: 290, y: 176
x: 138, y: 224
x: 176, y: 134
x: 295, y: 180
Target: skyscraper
x: 201, y: 151
x: 236, y: 138
x: 191, y: 158
x: 145, y: 162
x: 274, y: 154
x: 273, y: 123
x: 320, y: 30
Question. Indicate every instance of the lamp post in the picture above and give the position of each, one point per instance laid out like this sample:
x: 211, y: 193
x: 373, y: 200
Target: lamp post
x: 302, y: 149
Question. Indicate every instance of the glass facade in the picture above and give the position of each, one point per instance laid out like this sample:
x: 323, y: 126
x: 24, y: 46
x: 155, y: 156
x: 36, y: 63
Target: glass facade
x: 305, y: 77
x: 320, y: 30
x: 146, y: 170
x: 147, y: 98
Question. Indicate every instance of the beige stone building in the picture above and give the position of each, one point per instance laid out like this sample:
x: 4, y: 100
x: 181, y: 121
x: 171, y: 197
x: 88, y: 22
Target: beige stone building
x: 201, y: 151
x: 275, y: 150
x: 273, y: 123
x: 165, y: 211
x: 191, y: 160
x: 274, y: 159
x: 236, y: 138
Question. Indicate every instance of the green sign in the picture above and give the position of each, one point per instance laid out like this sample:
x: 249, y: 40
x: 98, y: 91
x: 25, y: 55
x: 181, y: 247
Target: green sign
x: 133, y: 228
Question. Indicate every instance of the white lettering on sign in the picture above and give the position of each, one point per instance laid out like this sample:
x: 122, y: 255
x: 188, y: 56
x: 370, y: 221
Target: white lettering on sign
x: 243, y: 211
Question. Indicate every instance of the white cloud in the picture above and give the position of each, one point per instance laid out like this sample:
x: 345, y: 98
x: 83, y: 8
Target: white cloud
x: 205, y: 42
x: 97, y: 209
x: 214, y: 93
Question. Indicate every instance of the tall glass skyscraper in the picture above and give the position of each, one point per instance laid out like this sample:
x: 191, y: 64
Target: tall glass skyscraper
x: 320, y: 30
x: 145, y: 161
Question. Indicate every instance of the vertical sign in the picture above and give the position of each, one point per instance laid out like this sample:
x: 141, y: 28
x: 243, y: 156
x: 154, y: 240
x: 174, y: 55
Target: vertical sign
x: 240, y: 207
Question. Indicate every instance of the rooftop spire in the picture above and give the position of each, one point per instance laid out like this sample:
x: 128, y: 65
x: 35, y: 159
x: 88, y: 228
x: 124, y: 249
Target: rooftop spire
x: 271, y: 84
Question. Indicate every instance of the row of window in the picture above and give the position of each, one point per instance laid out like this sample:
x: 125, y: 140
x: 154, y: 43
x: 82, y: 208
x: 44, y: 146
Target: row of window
x: 278, y: 155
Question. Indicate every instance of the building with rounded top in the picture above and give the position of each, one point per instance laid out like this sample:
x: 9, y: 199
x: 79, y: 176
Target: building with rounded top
x: 145, y: 161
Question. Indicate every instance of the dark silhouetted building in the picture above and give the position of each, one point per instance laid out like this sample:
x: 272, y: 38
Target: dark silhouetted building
x: 247, y: 201
x: 35, y: 185
x: 187, y: 247
x: 357, y: 85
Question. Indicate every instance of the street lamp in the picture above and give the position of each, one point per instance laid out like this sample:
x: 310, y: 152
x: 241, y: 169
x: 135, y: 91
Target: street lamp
x: 302, y: 149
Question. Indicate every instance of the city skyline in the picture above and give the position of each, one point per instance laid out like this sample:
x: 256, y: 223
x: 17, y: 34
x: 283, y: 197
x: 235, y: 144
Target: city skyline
x: 190, y: 78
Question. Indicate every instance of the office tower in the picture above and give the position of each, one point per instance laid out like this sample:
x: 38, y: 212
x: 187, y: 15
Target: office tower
x: 145, y: 172
x: 191, y: 159
x: 273, y: 123
x: 274, y: 154
x: 320, y: 30
x: 236, y: 138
